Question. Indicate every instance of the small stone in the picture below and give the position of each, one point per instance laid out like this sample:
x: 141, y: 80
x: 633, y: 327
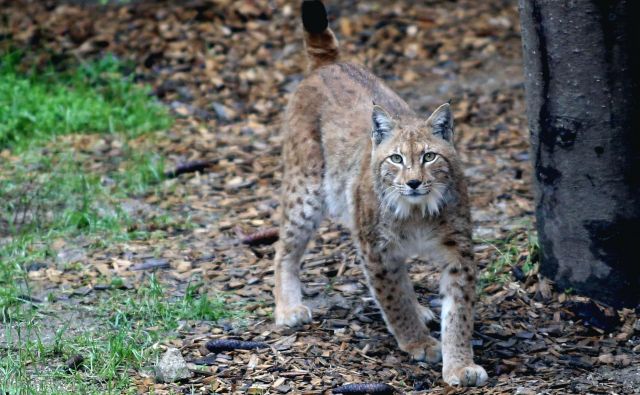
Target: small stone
x: 183, y: 266
x: 606, y: 359
x: 622, y: 360
x: 524, y: 391
x: 223, y: 112
x: 172, y: 367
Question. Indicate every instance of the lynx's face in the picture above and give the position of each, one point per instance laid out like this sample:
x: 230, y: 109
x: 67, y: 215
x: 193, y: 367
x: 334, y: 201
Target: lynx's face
x: 411, y: 161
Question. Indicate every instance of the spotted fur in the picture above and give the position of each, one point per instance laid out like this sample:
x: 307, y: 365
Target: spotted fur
x: 355, y: 151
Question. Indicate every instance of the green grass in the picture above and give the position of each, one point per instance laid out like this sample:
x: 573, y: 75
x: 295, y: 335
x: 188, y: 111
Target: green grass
x: 50, y: 190
x: 94, y: 97
x: 517, y: 248
x: 46, y: 198
x: 54, y: 192
x: 150, y: 307
x: 140, y: 171
x: 133, y: 324
x: 55, y: 188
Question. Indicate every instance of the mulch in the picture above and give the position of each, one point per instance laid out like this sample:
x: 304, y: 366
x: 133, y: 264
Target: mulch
x: 226, y: 68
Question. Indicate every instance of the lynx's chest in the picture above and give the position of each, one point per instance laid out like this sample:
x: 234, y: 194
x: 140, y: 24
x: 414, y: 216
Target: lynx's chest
x: 417, y: 238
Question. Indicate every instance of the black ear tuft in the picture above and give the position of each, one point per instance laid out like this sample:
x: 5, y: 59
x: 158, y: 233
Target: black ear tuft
x: 441, y: 122
x: 314, y: 16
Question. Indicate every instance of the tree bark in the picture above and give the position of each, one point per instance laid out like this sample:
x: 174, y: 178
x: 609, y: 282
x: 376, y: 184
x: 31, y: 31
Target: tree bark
x: 582, y: 80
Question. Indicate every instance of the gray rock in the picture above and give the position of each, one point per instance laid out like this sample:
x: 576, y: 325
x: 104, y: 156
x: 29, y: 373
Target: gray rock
x: 172, y: 367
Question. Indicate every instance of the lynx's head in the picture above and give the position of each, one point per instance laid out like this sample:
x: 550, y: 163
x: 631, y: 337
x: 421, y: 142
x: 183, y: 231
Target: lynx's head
x: 412, y: 161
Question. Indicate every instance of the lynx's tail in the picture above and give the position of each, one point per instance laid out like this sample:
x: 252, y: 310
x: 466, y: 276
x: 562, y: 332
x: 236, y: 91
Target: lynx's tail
x: 321, y: 44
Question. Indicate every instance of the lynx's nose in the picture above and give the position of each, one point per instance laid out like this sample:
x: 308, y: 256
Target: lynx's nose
x: 413, y: 184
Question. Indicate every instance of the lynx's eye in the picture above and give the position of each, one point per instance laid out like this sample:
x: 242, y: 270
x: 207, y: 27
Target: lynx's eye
x: 429, y: 157
x: 395, y: 158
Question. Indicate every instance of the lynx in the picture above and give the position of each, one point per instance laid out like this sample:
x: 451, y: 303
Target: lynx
x: 356, y: 151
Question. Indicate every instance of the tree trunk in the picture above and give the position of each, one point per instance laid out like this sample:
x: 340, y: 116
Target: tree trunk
x: 582, y: 80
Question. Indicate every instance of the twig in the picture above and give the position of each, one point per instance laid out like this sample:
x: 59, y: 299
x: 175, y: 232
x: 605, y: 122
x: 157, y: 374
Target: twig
x: 365, y: 388
x: 201, y: 372
x: 343, y: 266
x: 261, y: 237
x: 151, y: 264
x: 218, y: 345
x: 207, y: 360
x: 190, y: 167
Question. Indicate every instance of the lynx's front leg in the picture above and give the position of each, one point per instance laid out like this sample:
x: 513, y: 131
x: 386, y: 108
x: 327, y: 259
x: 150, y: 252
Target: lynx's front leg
x: 405, y: 318
x: 457, y: 287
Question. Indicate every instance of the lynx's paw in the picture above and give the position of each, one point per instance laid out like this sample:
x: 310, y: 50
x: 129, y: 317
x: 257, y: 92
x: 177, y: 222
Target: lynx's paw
x: 428, y: 350
x: 465, y: 376
x: 293, y: 316
x: 425, y: 313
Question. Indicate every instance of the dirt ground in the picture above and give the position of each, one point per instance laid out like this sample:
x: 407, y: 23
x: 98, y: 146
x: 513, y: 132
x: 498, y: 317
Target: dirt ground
x: 226, y: 69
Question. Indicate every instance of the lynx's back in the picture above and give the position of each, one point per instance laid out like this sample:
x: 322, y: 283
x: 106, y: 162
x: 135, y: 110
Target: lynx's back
x: 336, y: 100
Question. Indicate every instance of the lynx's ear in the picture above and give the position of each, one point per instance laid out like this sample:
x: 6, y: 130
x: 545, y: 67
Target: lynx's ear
x: 441, y: 122
x: 382, y: 124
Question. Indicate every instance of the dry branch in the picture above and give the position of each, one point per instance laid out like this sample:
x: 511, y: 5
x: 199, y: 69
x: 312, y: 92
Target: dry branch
x: 218, y: 345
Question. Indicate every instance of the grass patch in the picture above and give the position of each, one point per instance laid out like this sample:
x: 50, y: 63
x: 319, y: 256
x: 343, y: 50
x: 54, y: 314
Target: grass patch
x: 44, y: 199
x: 66, y: 189
x: 57, y: 197
x: 55, y: 192
x: 133, y: 324
x: 517, y: 248
x: 139, y: 171
x: 94, y: 97
x: 150, y: 307
x: 82, y: 192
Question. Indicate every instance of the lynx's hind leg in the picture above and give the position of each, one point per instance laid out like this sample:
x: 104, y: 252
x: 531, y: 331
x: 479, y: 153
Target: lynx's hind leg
x: 302, y: 208
x: 302, y: 211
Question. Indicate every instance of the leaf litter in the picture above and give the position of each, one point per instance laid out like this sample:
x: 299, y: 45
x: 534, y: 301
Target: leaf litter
x: 225, y: 69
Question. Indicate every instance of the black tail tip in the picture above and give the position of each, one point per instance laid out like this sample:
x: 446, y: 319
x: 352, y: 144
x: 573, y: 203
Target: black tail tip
x: 314, y: 16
